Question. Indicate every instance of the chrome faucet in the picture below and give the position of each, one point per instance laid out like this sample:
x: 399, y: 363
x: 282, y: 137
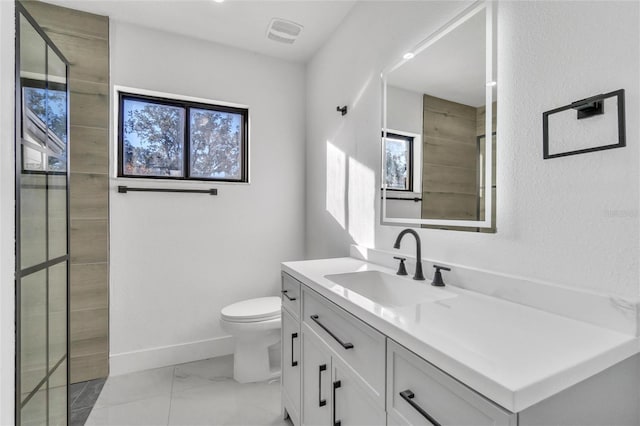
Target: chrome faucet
x: 418, y: 275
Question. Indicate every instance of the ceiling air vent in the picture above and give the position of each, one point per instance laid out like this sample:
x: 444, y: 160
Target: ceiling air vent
x: 283, y: 31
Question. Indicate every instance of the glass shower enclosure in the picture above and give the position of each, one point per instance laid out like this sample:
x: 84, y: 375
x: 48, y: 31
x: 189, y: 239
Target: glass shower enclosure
x: 42, y: 227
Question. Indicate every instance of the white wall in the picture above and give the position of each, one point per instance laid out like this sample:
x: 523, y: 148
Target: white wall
x: 571, y: 221
x: 404, y: 114
x: 7, y: 212
x: 177, y: 259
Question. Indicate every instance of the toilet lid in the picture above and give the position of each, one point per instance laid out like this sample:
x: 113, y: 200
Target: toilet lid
x: 260, y: 309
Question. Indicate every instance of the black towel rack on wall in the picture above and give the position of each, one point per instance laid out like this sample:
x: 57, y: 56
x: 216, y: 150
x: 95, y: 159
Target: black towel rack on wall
x: 123, y: 189
x: 415, y: 199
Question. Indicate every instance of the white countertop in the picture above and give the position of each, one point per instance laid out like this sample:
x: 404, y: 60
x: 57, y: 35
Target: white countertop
x: 512, y: 354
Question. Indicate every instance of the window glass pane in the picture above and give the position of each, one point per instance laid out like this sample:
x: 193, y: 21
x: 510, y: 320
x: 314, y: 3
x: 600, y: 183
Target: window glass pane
x: 216, y: 144
x: 33, y: 80
x: 398, y: 153
x: 57, y: 313
x: 57, y: 214
x: 56, y: 118
x: 33, y: 331
x: 33, y: 219
x: 153, y: 139
x: 58, y: 405
x: 34, y: 413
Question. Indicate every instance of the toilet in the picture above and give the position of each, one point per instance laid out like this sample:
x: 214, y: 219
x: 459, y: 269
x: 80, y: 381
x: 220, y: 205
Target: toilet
x: 255, y: 325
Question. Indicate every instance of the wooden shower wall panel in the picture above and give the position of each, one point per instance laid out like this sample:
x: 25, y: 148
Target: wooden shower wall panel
x: 84, y: 39
x: 449, y: 177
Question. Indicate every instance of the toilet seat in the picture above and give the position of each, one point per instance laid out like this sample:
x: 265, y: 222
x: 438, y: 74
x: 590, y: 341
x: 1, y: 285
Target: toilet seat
x: 252, y: 310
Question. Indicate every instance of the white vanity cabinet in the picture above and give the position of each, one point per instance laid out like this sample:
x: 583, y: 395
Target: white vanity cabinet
x: 366, y: 364
x: 420, y: 394
x: 291, y: 349
x: 354, y: 375
x: 316, y: 386
x: 332, y: 393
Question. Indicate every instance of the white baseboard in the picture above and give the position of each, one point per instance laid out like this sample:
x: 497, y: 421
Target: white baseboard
x: 146, y: 359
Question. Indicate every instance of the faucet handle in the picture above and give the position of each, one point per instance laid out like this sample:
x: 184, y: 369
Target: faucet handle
x: 402, y: 270
x: 444, y: 268
x: 437, y: 278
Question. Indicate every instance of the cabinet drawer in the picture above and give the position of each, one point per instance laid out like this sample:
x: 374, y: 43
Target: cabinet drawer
x: 360, y: 346
x: 418, y: 391
x: 291, y: 295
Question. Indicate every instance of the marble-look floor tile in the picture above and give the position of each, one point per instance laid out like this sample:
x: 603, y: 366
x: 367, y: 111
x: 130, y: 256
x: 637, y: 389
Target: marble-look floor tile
x: 196, y: 393
x: 75, y: 390
x: 227, y: 402
x: 79, y: 416
x: 202, y: 373
x: 89, y: 394
x: 136, y: 386
x: 147, y: 412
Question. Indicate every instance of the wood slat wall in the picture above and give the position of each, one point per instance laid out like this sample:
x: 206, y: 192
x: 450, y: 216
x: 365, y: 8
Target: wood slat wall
x: 450, y: 168
x: 449, y: 173
x: 84, y: 39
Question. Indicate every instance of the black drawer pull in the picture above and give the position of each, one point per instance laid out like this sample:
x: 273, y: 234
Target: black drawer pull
x: 293, y: 336
x: 321, y: 402
x: 284, y: 293
x: 407, y: 395
x: 347, y: 345
x: 336, y: 385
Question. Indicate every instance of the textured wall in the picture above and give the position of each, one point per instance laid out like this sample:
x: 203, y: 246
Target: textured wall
x: 84, y: 39
x: 571, y: 221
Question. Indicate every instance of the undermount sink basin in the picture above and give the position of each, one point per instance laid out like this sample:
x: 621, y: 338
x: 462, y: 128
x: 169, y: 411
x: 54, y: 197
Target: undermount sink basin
x: 389, y: 290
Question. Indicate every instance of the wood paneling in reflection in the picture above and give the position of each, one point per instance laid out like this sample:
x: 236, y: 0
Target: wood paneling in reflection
x: 450, y: 170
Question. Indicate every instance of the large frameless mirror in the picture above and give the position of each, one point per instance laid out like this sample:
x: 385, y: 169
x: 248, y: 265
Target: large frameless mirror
x: 438, y: 129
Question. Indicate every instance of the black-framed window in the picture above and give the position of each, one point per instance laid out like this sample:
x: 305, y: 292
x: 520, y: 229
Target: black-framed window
x: 164, y: 138
x: 399, y: 162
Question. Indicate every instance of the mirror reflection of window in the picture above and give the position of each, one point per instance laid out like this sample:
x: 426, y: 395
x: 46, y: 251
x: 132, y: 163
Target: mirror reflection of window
x: 445, y: 94
x: 398, y: 153
x: 45, y: 126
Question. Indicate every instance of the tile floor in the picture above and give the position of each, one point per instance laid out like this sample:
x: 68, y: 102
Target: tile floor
x: 82, y: 398
x: 197, y: 393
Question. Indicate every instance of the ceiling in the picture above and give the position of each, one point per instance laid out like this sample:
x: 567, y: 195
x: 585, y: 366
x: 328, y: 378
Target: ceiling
x: 452, y: 68
x: 238, y: 23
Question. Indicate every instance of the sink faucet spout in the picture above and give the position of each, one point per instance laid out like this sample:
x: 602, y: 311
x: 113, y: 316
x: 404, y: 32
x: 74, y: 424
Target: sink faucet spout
x: 418, y: 275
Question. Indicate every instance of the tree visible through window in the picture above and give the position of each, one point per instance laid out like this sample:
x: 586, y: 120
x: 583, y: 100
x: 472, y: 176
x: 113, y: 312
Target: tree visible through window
x: 398, y: 162
x: 165, y: 138
x: 44, y: 126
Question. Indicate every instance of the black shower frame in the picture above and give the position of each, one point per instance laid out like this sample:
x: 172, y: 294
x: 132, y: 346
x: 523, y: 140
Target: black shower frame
x: 19, y: 274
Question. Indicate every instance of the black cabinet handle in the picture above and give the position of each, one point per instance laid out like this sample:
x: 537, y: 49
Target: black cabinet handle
x: 321, y: 402
x: 293, y: 336
x: 407, y: 395
x: 346, y: 345
x: 284, y: 293
x: 336, y: 385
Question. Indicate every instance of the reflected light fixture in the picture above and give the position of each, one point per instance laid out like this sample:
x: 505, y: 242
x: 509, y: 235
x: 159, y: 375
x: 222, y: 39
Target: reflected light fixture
x: 491, y: 83
x: 408, y: 55
x: 218, y: 1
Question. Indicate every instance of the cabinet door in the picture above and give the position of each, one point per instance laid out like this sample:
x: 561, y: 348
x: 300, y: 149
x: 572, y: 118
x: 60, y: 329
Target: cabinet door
x: 316, y: 380
x: 291, y: 365
x: 352, y: 404
x: 420, y: 394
